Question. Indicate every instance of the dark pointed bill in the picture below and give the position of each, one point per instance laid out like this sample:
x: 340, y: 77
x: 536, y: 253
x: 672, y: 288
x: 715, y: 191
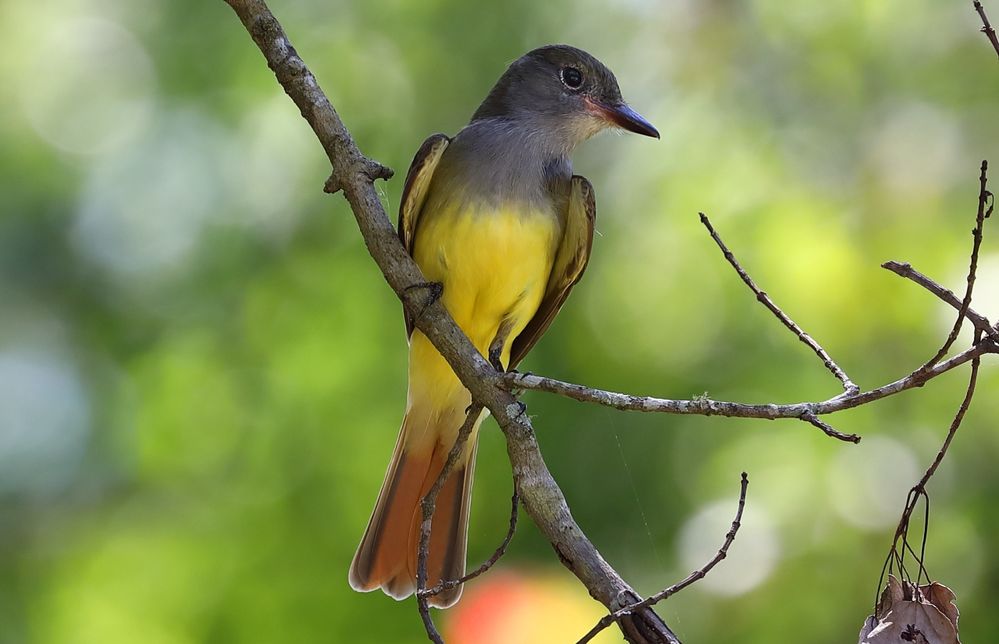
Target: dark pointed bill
x: 623, y: 116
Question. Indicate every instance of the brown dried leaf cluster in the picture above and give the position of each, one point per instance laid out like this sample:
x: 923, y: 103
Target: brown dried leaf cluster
x: 906, y: 612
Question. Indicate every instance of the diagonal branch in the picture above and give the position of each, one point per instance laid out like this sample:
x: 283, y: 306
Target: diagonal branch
x: 904, y: 269
x: 353, y: 173
x: 849, y: 387
x: 704, y: 406
x: 695, y: 576
x: 447, y: 584
x: 900, y: 543
x: 987, y: 27
x: 427, y: 506
x: 984, y: 199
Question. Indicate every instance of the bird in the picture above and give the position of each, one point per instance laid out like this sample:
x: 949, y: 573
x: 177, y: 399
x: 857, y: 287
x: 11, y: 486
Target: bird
x: 496, y: 218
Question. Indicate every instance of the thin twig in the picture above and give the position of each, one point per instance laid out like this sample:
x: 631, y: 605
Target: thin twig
x: 984, y: 197
x: 697, y: 575
x: 904, y: 269
x: 704, y: 406
x: 956, y: 423
x: 987, y: 27
x: 848, y: 386
x: 897, y: 555
x: 448, y: 584
x: 828, y: 429
x: 428, y: 504
x: 900, y: 543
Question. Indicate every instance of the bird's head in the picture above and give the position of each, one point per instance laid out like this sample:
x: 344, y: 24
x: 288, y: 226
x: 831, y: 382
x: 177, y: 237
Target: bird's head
x: 564, y: 91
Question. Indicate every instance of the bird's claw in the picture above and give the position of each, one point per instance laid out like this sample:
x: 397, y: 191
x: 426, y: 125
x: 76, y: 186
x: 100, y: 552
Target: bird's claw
x: 494, y: 359
x: 435, y: 290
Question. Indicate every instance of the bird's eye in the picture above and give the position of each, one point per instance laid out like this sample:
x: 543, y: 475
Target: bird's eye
x: 571, y: 77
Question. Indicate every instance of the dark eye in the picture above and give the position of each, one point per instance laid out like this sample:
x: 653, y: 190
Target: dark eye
x: 571, y: 77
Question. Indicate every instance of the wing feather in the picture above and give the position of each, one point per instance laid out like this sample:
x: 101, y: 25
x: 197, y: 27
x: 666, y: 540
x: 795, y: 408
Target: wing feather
x: 570, y: 261
x: 414, y: 192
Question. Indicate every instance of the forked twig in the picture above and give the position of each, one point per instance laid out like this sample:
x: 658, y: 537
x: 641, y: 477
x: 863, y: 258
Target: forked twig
x: 697, y: 575
x: 447, y: 584
x: 985, y: 200
x: 900, y: 543
x: 704, y: 406
x: 427, y: 505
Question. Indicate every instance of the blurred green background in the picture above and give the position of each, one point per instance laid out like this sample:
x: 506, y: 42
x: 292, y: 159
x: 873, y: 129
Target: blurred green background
x: 202, y: 371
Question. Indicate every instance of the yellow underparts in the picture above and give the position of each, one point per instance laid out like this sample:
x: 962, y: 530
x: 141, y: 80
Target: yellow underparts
x: 494, y: 266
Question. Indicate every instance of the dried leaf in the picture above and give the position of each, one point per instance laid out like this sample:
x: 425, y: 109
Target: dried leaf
x: 928, y: 616
x: 891, y: 595
x: 943, y: 598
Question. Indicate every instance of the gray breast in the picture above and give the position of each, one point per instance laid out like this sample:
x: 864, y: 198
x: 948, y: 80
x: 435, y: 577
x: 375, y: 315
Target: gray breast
x: 494, y: 162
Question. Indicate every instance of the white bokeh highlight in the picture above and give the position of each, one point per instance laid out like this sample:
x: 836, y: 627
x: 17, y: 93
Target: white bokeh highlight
x: 750, y: 560
x: 868, y: 483
x: 44, y: 421
x: 142, y: 212
x: 89, y: 86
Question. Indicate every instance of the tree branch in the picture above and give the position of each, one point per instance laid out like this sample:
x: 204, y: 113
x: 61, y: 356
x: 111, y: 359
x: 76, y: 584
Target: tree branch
x: 704, y: 406
x: 987, y: 27
x: 697, y: 575
x: 984, y: 197
x: 488, y: 563
x: 427, y: 505
x: 353, y: 173
x: 848, y: 386
x: 904, y: 269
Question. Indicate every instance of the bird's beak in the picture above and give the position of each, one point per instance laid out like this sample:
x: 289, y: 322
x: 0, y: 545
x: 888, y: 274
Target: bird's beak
x: 622, y: 116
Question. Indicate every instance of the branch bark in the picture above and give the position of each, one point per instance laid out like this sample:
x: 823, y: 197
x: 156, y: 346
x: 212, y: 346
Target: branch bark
x: 987, y: 27
x: 849, y: 388
x: 704, y: 406
x: 354, y: 174
x: 692, y: 578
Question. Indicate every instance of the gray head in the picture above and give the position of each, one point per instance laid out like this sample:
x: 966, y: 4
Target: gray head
x: 564, y: 91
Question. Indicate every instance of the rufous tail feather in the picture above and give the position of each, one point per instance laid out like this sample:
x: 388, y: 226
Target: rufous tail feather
x: 387, y: 555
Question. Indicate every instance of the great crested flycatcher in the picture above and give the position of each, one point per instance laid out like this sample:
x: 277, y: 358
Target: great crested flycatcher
x: 497, y: 217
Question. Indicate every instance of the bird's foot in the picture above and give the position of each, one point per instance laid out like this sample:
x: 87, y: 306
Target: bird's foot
x: 494, y: 359
x: 516, y: 391
x: 434, y: 290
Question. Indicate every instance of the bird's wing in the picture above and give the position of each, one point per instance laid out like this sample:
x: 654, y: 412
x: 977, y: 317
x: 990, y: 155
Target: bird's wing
x: 570, y: 261
x: 414, y: 192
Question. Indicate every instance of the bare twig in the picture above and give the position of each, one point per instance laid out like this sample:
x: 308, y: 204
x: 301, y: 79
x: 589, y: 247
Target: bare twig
x: 904, y: 269
x: 353, y: 173
x: 427, y: 505
x: 697, y: 575
x: 828, y: 429
x: 704, y: 406
x: 447, y: 584
x: 955, y: 424
x: 987, y: 27
x: 984, y: 199
x: 900, y: 543
x: 848, y: 386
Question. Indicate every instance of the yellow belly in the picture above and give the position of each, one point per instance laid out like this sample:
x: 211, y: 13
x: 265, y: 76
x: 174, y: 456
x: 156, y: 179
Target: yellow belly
x: 494, y: 267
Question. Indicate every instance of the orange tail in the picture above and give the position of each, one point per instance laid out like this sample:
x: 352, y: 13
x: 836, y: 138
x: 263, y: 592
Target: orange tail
x: 387, y: 555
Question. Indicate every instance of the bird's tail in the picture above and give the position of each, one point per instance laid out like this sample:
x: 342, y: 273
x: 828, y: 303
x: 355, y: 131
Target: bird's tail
x: 387, y: 555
